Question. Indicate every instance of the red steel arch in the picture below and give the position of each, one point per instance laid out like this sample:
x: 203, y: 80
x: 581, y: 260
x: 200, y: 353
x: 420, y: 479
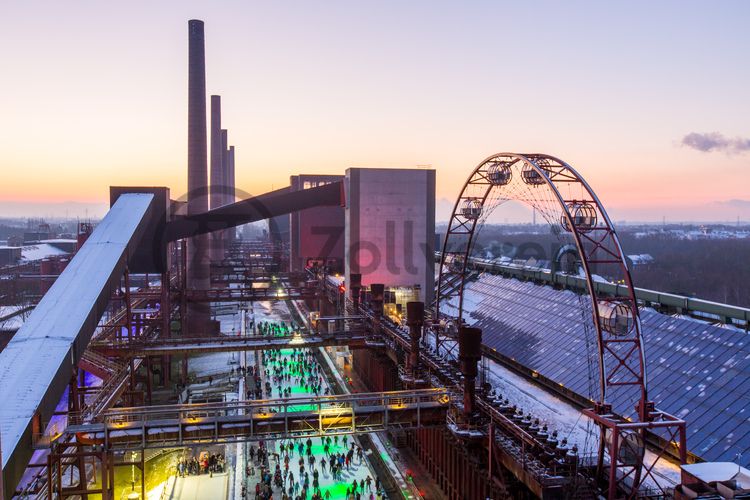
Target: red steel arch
x: 621, y: 356
x: 566, y: 200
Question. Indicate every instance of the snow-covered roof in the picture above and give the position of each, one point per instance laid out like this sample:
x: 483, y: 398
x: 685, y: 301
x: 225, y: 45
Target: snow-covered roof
x: 711, y: 472
x: 641, y: 258
x: 60, y: 240
x: 40, y: 251
x: 36, y: 365
x: 696, y: 370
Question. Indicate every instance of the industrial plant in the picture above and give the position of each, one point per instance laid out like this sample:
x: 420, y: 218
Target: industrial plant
x: 357, y: 349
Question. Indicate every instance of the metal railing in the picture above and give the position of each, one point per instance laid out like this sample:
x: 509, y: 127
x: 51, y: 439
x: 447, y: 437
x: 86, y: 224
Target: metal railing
x: 232, y: 421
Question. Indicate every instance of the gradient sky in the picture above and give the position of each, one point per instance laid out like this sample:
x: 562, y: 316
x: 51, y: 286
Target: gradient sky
x: 94, y: 94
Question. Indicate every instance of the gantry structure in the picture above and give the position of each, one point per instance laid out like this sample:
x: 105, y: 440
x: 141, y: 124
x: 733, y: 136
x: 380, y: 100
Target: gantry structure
x: 425, y: 370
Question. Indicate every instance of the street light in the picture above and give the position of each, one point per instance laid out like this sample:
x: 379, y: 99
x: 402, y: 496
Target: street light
x: 132, y: 470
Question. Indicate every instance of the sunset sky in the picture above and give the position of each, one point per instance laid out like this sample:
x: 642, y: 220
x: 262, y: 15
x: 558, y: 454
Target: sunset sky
x: 648, y: 100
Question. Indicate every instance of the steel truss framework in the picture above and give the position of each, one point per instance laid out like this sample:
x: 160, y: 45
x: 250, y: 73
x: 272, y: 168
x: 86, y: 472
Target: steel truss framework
x: 556, y: 191
x: 159, y: 346
x: 178, y: 425
x: 281, y: 292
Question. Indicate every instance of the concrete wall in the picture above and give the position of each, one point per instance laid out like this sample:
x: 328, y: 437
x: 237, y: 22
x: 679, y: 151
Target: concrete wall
x: 316, y: 233
x: 390, y: 227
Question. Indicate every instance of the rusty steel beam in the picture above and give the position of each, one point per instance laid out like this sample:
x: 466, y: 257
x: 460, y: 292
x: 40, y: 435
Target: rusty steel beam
x: 177, y: 425
x: 201, y: 345
x: 246, y: 294
x: 253, y: 209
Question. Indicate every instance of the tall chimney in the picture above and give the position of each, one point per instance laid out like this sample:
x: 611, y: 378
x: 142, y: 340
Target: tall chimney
x: 197, y: 147
x: 217, y: 175
x: 198, y: 265
x: 224, y: 235
x: 230, y: 178
x: 224, y: 162
x: 217, y: 154
x: 231, y: 191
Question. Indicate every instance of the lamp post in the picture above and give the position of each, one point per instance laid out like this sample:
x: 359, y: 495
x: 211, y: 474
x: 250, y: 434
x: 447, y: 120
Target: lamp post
x: 132, y: 471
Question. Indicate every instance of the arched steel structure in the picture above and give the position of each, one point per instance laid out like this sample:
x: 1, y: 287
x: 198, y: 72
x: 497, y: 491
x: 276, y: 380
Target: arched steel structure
x: 539, y: 180
x: 559, y: 193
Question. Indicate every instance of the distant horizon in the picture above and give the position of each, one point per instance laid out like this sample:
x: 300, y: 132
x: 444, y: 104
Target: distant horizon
x: 313, y: 88
x: 96, y: 211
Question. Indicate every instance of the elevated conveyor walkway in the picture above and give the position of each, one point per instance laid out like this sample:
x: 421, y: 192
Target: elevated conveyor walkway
x: 202, y: 345
x: 179, y: 425
x: 36, y: 366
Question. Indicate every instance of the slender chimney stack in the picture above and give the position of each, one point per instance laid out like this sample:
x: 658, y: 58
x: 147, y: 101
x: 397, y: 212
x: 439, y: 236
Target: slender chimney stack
x: 217, y: 154
x: 198, y: 265
x: 224, y: 162
x: 218, y: 180
x: 231, y: 192
x: 197, y: 147
x: 224, y: 235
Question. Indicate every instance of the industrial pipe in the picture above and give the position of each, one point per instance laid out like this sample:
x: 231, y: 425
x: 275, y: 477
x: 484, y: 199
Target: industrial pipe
x: 415, y: 321
x: 469, y: 354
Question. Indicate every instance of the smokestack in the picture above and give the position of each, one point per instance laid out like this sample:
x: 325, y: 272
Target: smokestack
x: 231, y: 191
x: 198, y: 270
x: 224, y: 164
x: 197, y: 147
x: 217, y: 175
x: 224, y: 235
x: 230, y: 178
x: 217, y: 153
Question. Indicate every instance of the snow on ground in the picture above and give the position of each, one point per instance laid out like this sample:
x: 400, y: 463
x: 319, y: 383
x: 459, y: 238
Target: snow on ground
x: 218, y: 363
x: 275, y: 312
x: 560, y: 415
x: 200, y: 487
x: 157, y: 492
x: 13, y: 317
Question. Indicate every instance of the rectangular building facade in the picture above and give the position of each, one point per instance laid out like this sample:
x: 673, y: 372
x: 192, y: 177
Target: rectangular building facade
x: 316, y: 234
x: 390, y: 229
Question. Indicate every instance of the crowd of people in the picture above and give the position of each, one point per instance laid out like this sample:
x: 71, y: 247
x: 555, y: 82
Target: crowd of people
x: 275, y: 328
x: 298, y: 368
x: 307, y: 484
x: 205, y: 463
x: 295, y: 469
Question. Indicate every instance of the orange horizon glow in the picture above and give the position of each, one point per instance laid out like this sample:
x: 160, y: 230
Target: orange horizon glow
x: 316, y: 90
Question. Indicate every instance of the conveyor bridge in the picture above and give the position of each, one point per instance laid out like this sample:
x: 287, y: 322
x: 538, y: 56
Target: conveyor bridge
x: 185, y: 424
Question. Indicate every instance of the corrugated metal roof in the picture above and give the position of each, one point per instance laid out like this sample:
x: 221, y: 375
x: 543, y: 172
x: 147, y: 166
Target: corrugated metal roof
x: 696, y: 370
